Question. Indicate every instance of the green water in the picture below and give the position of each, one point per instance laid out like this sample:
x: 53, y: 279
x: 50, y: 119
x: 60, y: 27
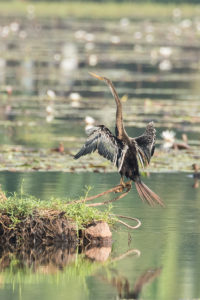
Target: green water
x: 169, y: 238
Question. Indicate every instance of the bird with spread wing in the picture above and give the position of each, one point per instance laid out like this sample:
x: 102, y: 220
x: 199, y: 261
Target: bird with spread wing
x: 125, y: 152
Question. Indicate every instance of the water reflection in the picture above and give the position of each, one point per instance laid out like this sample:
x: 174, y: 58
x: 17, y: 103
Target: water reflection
x: 26, y: 74
x: 41, y: 259
x: 100, y: 254
x: 196, y: 176
x: 2, y: 70
x: 68, y: 64
x: 125, y: 289
x: 48, y: 259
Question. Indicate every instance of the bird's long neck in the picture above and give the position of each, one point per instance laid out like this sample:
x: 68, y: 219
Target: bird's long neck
x: 120, y: 131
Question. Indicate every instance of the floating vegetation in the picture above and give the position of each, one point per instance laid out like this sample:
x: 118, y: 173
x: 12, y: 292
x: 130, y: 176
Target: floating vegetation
x: 19, y: 158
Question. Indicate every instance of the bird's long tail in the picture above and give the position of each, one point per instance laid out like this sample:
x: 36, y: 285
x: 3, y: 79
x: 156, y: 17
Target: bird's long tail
x: 146, y: 194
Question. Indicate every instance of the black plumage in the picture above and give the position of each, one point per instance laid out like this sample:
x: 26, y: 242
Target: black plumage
x: 102, y: 140
x: 125, y: 152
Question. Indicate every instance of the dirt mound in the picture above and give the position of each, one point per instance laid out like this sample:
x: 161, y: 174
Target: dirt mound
x: 46, y: 227
x: 50, y: 227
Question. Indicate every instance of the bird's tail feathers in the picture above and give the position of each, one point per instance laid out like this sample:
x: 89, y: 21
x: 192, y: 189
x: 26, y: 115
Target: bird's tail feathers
x: 146, y: 194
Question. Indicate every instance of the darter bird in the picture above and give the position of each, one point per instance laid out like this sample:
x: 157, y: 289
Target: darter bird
x: 125, y: 152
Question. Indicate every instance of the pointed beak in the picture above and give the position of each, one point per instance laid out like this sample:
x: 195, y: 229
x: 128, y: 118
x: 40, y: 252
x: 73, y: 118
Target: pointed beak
x: 96, y: 76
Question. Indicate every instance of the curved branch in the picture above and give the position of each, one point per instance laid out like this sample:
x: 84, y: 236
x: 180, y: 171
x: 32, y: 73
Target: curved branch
x: 139, y: 223
x: 111, y: 200
x: 114, y: 189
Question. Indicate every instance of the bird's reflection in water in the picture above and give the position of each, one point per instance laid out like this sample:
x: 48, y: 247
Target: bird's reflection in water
x: 53, y: 259
x: 196, y: 176
x: 124, y: 288
x: 196, y: 183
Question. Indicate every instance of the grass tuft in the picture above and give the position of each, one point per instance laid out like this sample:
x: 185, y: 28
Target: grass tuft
x: 19, y: 206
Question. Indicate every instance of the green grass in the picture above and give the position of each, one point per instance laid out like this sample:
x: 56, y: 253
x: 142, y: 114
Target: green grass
x: 106, y: 10
x: 19, y: 206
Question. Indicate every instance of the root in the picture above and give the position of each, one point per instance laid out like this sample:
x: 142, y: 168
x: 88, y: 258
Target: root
x: 129, y: 218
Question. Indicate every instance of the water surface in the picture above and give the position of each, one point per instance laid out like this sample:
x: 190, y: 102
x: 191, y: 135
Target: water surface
x: 168, y: 239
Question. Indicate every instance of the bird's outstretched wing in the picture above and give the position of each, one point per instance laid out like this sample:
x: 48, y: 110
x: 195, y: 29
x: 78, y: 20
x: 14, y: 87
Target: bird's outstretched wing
x: 146, y: 144
x: 145, y: 278
x: 101, y: 139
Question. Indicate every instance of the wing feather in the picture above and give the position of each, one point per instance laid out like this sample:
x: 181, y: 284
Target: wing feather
x: 146, y: 144
x: 101, y: 139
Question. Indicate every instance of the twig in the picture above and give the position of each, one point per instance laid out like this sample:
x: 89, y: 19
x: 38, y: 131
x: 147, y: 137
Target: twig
x: 111, y: 200
x: 114, y: 189
x: 129, y: 218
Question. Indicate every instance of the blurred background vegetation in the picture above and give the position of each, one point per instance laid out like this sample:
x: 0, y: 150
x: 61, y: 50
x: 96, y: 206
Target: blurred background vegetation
x: 103, y: 9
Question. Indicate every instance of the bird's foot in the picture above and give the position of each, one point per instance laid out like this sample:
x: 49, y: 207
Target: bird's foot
x: 120, y: 189
x: 128, y: 184
x: 123, y: 185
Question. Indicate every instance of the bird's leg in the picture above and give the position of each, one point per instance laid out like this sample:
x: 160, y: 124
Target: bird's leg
x: 122, y: 182
x: 122, y: 185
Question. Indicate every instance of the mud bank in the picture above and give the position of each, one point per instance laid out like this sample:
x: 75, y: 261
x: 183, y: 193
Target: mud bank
x: 51, y: 227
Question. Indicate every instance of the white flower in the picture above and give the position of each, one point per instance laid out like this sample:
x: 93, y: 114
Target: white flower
x: 51, y: 94
x: 49, y: 118
x: 49, y: 109
x: 93, y: 60
x: 169, y: 139
x: 115, y: 39
x: 75, y: 96
x: 14, y: 26
x: 168, y: 135
x: 124, y: 22
x: 165, y: 65
x: 165, y: 51
x: 89, y: 120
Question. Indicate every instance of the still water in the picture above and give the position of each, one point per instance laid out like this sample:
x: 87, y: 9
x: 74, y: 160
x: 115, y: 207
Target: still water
x: 169, y: 239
